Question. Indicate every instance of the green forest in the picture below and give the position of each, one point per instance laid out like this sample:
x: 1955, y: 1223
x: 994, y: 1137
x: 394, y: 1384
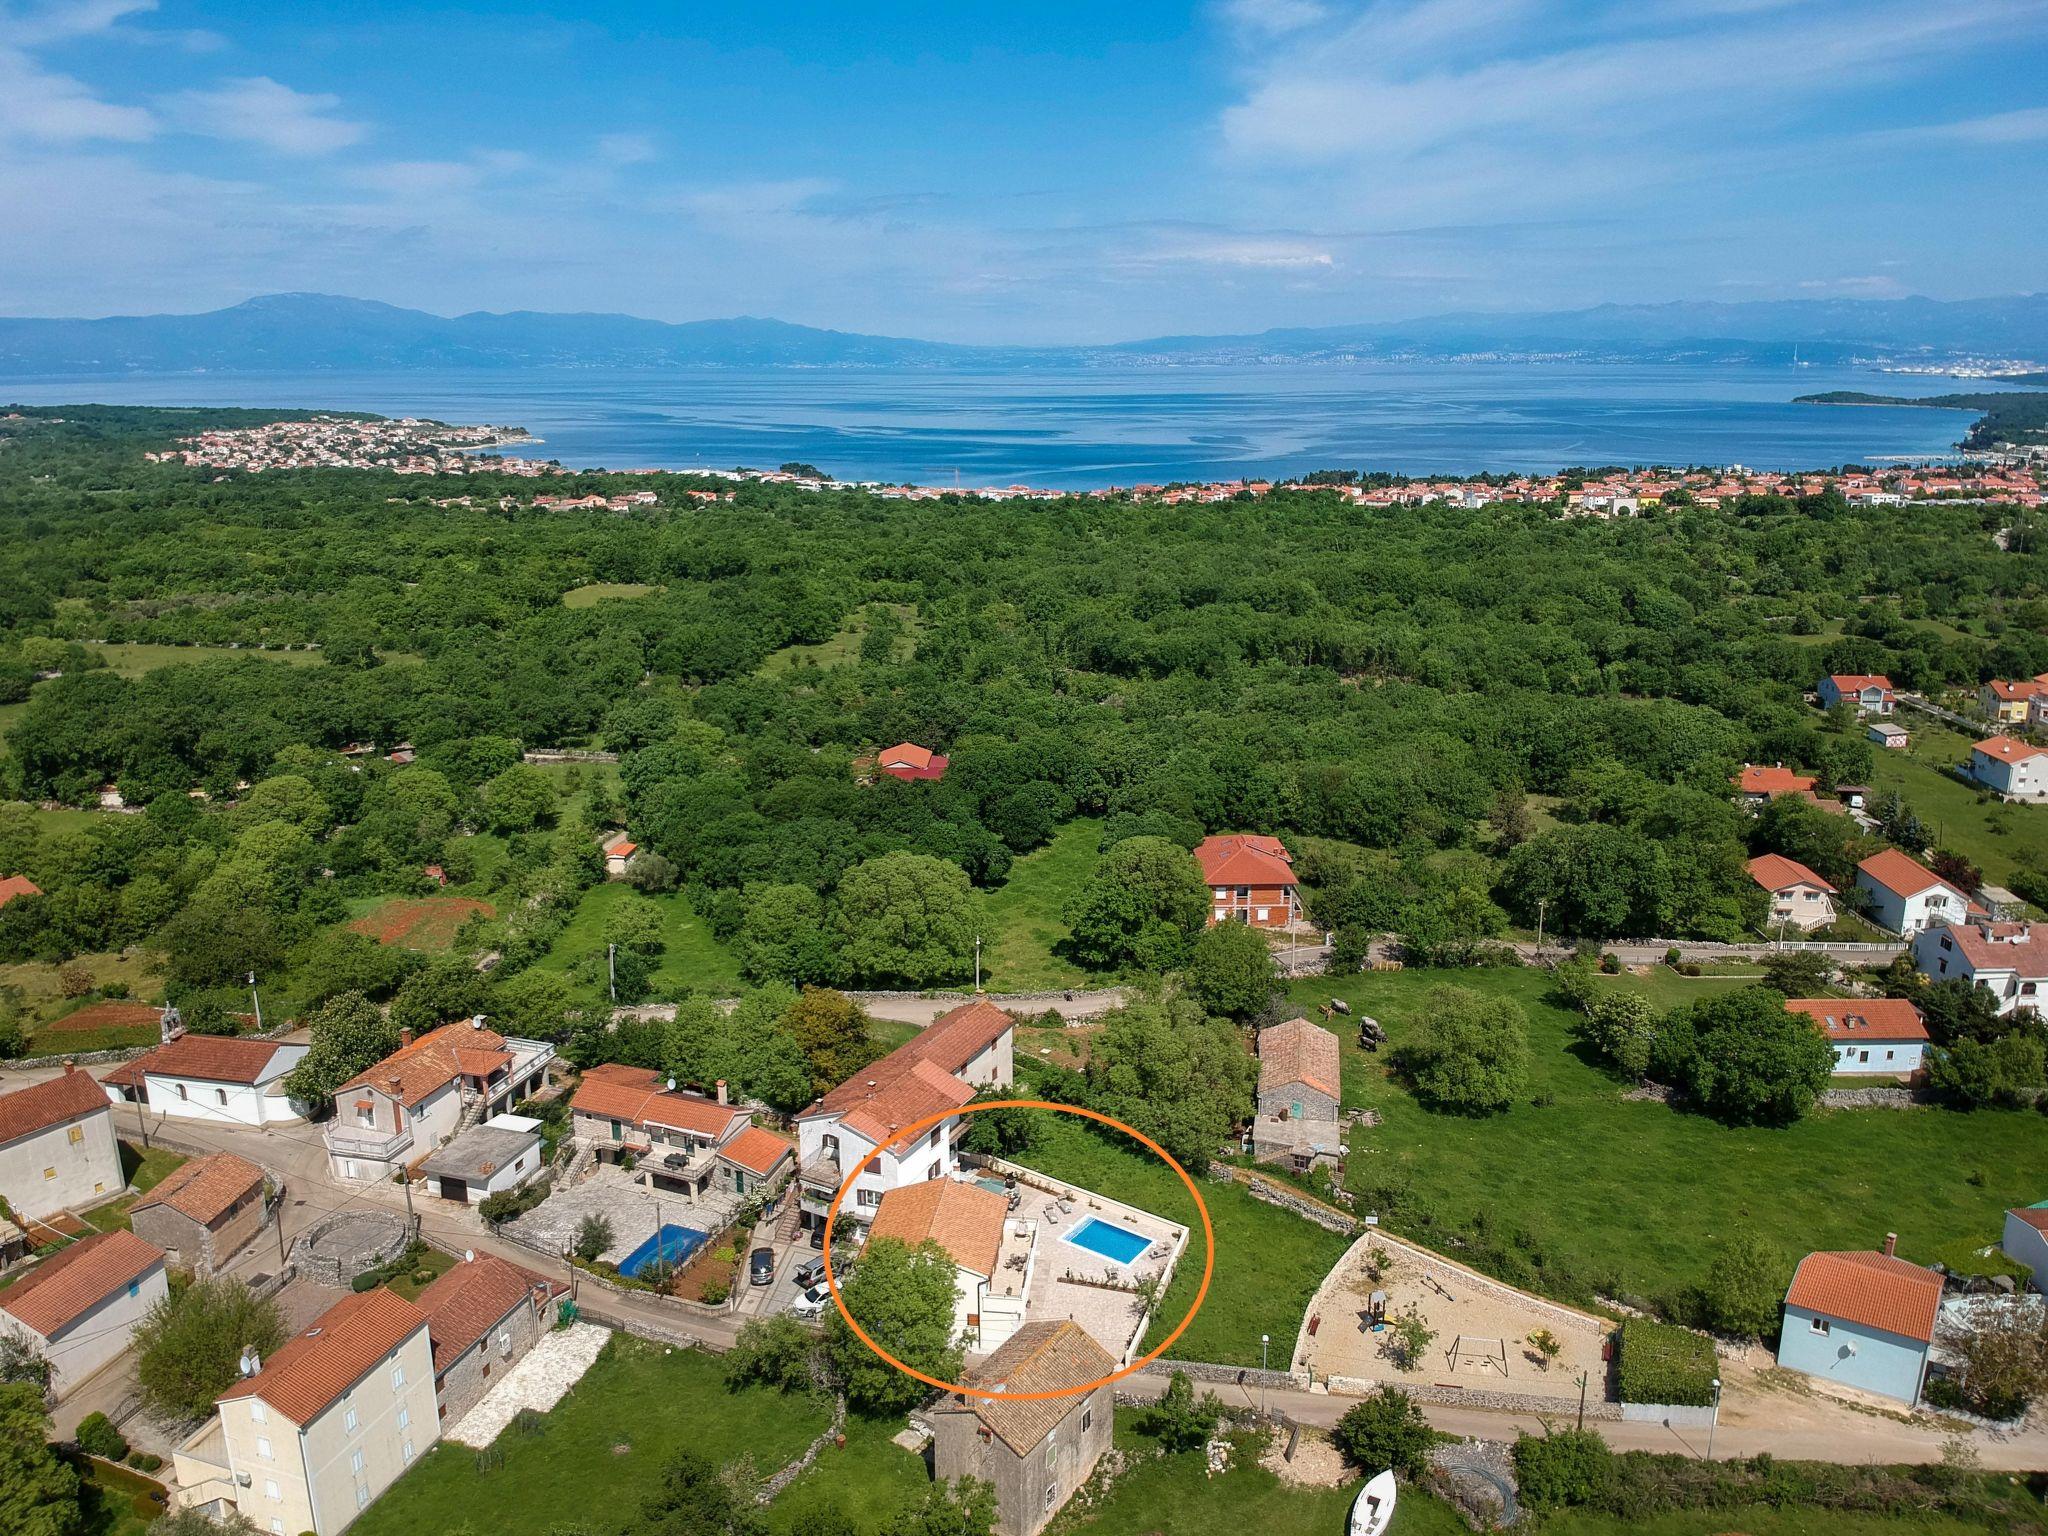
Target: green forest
x: 1454, y: 716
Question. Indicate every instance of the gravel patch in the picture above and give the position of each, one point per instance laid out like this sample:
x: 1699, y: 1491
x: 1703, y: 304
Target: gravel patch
x: 539, y: 1381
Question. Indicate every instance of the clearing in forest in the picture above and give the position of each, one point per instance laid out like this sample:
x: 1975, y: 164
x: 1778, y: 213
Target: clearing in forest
x: 426, y: 923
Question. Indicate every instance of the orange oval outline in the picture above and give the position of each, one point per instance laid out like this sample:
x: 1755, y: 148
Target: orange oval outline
x: 917, y: 1128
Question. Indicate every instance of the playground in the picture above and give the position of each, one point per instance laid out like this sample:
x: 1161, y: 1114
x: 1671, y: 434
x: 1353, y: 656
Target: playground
x: 1391, y: 1312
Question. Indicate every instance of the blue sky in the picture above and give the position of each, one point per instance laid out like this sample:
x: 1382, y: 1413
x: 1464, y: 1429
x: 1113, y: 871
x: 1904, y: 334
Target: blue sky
x: 1038, y: 172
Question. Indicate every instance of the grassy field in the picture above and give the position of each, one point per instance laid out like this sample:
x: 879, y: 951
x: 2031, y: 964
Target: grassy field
x: 1634, y: 1196
x: 1996, y: 837
x: 1268, y: 1261
x: 146, y: 1169
x: 1024, y: 913
x: 843, y: 648
x: 135, y: 658
x: 601, y: 1451
x: 117, y: 1501
x: 425, y: 923
x: 592, y: 593
x: 433, y: 1264
x: 691, y: 957
x: 42, y: 991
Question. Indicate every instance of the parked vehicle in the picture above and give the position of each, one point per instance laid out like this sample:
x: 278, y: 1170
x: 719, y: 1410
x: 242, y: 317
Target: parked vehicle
x: 761, y: 1267
x: 811, y: 1304
x: 810, y: 1273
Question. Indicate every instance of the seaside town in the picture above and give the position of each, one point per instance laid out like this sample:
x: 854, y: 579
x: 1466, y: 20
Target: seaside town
x: 410, y: 446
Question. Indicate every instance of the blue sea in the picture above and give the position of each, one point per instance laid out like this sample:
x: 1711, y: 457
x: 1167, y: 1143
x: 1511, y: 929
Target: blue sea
x: 1080, y: 429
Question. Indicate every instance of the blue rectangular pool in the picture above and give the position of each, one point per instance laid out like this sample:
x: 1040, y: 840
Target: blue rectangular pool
x: 671, y: 1244
x: 1118, y: 1244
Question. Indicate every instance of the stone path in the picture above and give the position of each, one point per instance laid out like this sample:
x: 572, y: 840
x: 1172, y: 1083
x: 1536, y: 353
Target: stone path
x: 541, y: 1378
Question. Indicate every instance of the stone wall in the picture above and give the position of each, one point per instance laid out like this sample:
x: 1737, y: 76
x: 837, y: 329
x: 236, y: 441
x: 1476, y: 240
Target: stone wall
x: 1275, y: 1192
x: 375, y: 1237
x: 1233, y: 1375
x: 1885, y: 1096
x: 1478, y: 1397
x: 802, y: 1464
x: 1677, y: 1415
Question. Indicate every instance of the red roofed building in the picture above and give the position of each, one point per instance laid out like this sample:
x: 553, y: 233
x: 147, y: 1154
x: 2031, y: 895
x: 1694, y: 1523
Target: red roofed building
x: 202, y: 1212
x: 676, y: 1135
x: 57, y: 1146
x: 1799, y: 898
x: 907, y: 760
x: 936, y: 1070
x: 2009, y: 961
x: 215, y: 1079
x: 2014, y: 770
x: 325, y: 1425
x: 482, y: 1317
x: 78, y: 1306
x: 756, y: 1160
x: 1863, y: 1320
x: 2009, y: 703
x: 974, y: 1227
x: 2026, y: 1239
x: 1873, y: 1036
x: 17, y: 885
x: 1867, y: 693
x: 1906, y: 896
x: 1250, y: 880
x: 1758, y: 783
x: 395, y: 1113
x: 618, y: 856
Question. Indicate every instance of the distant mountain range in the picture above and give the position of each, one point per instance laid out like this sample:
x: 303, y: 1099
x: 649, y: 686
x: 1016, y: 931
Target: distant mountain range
x: 305, y: 332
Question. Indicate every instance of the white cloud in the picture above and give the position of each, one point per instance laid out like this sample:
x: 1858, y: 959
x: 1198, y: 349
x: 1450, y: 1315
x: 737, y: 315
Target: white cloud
x: 39, y: 26
x: 259, y: 110
x: 627, y: 148
x: 43, y: 105
x: 1272, y: 18
x: 2029, y: 125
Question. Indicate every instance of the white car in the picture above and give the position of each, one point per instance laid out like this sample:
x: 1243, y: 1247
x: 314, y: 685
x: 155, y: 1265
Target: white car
x: 811, y: 1304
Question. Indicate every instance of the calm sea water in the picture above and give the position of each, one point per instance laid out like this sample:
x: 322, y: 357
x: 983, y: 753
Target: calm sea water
x: 1083, y: 429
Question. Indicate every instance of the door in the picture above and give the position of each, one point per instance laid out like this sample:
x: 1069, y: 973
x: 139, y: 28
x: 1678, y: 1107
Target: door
x: 454, y: 1189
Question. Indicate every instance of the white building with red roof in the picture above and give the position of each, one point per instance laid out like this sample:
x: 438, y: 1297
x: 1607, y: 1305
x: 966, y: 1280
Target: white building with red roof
x: 216, y: 1079
x: 619, y: 851
x: 1906, y: 896
x: 2009, y: 961
x: 1872, y: 1036
x: 391, y: 1115
x: 2011, y: 769
x: 2026, y: 1239
x: 992, y: 1251
x: 1758, y: 783
x: 1799, y: 898
x: 907, y: 760
x: 1250, y: 880
x: 1867, y: 693
x: 1863, y: 1320
x: 935, y: 1071
x: 57, y: 1145
x: 77, y: 1307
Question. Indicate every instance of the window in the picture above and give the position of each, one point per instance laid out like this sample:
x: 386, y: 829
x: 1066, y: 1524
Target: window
x: 49, y: 1173
x: 256, y: 1413
x: 397, y: 1377
x: 408, y: 1452
x: 220, y: 1095
x: 99, y: 1186
x: 134, y: 1287
x: 937, y: 1131
x: 362, y: 1496
x: 1087, y: 1419
x: 935, y: 1170
x: 866, y: 1197
x: 348, y: 1420
x: 1052, y: 1492
x: 404, y: 1417
x: 277, y: 1525
x: 77, y: 1134
x: 1818, y: 1325
x: 182, y: 1093
x: 263, y: 1446
x: 355, y: 1461
x: 270, y: 1488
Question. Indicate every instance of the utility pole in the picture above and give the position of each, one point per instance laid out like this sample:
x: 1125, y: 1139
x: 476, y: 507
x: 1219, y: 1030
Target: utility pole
x: 1582, y: 1398
x: 406, y: 1185
x: 256, y: 1002
x: 1715, y: 1422
x: 1264, y: 1340
x: 611, y: 970
x: 977, y: 963
x: 281, y: 1258
x: 1542, y: 902
x: 142, y: 1115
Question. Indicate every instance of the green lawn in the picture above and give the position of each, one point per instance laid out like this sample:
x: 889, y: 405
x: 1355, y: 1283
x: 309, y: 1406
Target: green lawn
x: 1633, y: 1197
x: 843, y: 649
x: 592, y: 593
x: 117, y: 1501
x: 433, y: 1264
x: 651, y: 1401
x: 135, y: 658
x: 691, y: 958
x: 868, y: 1479
x: 1996, y: 837
x: 145, y: 1169
x: 1024, y: 918
x: 1268, y: 1261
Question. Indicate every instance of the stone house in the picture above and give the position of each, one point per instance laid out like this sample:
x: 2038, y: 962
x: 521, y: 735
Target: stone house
x: 1037, y: 1452
x: 57, y: 1145
x: 391, y: 1115
x: 622, y: 1111
x: 1300, y: 1091
x: 482, y: 1316
x: 203, y: 1212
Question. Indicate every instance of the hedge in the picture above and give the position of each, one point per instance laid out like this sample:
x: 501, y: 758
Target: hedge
x: 1664, y: 1364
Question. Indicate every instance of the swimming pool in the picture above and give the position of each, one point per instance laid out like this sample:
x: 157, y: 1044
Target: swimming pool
x: 672, y: 1243
x: 1118, y: 1244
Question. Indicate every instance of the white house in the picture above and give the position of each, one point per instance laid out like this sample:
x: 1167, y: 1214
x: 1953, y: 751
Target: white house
x: 937, y: 1069
x: 618, y: 856
x: 992, y: 1252
x: 1906, y: 896
x: 485, y: 1160
x: 2026, y: 1239
x: 57, y: 1145
x: 1799, y: 898
x: 1871, y: 694
x: 324, y: 1426
x: 77, y: 1308
x: 392, y: 1114
x: 1872, y: 1036
x: 2007, y: 960
x: 218, y: 1079
x: 2013, y: 769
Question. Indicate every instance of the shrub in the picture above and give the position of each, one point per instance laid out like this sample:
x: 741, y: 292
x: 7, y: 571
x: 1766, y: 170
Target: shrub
x: 1610, y: 964
x: 1469, y: 1053
x: 593, y: 1236
x: 145, y: 1461
x: 368, y: 1280
x: 1384, y: 1431
x: 508, y: 1204
x: 1180, y: 1420
x: 1567, y: 1468
x: 1661, y: 1363
x: 97, y: 1437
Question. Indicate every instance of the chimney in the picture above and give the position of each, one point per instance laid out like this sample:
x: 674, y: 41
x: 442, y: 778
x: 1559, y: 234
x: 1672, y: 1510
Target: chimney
x: 721, y: 1090
x: 71, y: 1066
x: 404, y: 1038
x: 1891, y: 1245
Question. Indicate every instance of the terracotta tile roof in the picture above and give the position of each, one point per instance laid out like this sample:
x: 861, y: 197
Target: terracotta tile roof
x: 1773, y: 779
x: 216, y: 1058
x: 621, y: 847
x: 312, y: 1369
x: 435, y: 1060
x: 756, y: 1150
x: 2014, y: 693
x: 637, y: 1095
x: 1299, y: 1052
x: 1040, y: 1357
x: 1901, y: 875
x: 1775, y: 872
x: 2018, y: 947
x: 2006, y: 750
x: 905, y: 754
x: 68, y: 1096
x: 1856, y: 682
x: 67, y: 1285
x: 466, y: 1303
x: 964, y: 1219
x: 918, y: 1077
x: 206, y: 1187
x: 1874, y: 1290
x: 1862, y: 1018
x: 2035, y: 1216
x: 17, y: 885
x: 1244, y: 859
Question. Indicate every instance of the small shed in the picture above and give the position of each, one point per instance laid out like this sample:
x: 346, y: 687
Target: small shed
x: 485, y: 1160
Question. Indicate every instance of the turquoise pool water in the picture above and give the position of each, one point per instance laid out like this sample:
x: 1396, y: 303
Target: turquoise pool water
x: 1118, y: 1244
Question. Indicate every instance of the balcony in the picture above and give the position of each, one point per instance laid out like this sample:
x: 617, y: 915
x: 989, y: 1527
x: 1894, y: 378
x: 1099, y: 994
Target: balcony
x: 366, y: 1142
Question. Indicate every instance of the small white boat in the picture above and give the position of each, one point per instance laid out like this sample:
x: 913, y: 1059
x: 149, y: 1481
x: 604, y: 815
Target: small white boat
x: 1373, y: 1511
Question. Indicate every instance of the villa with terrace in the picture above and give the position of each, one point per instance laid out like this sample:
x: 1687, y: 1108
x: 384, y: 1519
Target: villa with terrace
x: 936, y: 1071
x: 992, y: 1253
x: 676, y: 1138
x: 393, y: 1114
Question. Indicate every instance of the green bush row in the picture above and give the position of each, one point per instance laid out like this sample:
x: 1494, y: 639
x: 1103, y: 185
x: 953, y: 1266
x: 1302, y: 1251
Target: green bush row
x: 1664, y: 1364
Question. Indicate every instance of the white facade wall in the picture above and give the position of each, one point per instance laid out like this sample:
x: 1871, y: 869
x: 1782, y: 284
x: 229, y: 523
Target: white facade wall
x: 204, y: 1100
x: 431, y: 1122
x: 2024, y: 779
x: 1803, y: 906
x: 1939, y: 957
x: 2028, y: 1245
x: 933, y: 1157
x: 1908, y: 915
x: 1878, y: 1058
x: 96, y: 1337
x: 62, y: 1166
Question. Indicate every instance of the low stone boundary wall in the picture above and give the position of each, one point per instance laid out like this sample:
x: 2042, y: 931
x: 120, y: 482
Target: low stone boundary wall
x: 341, y: 1269
x: 1477, y: 1397
x: 587, y: 1277
x: 77, y: 1058
x: 1888, y: 1096
x: 1276, y: 1192
x: 802, y: 1464
x: 1234, y: 1375
x: 1677, y: 1415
